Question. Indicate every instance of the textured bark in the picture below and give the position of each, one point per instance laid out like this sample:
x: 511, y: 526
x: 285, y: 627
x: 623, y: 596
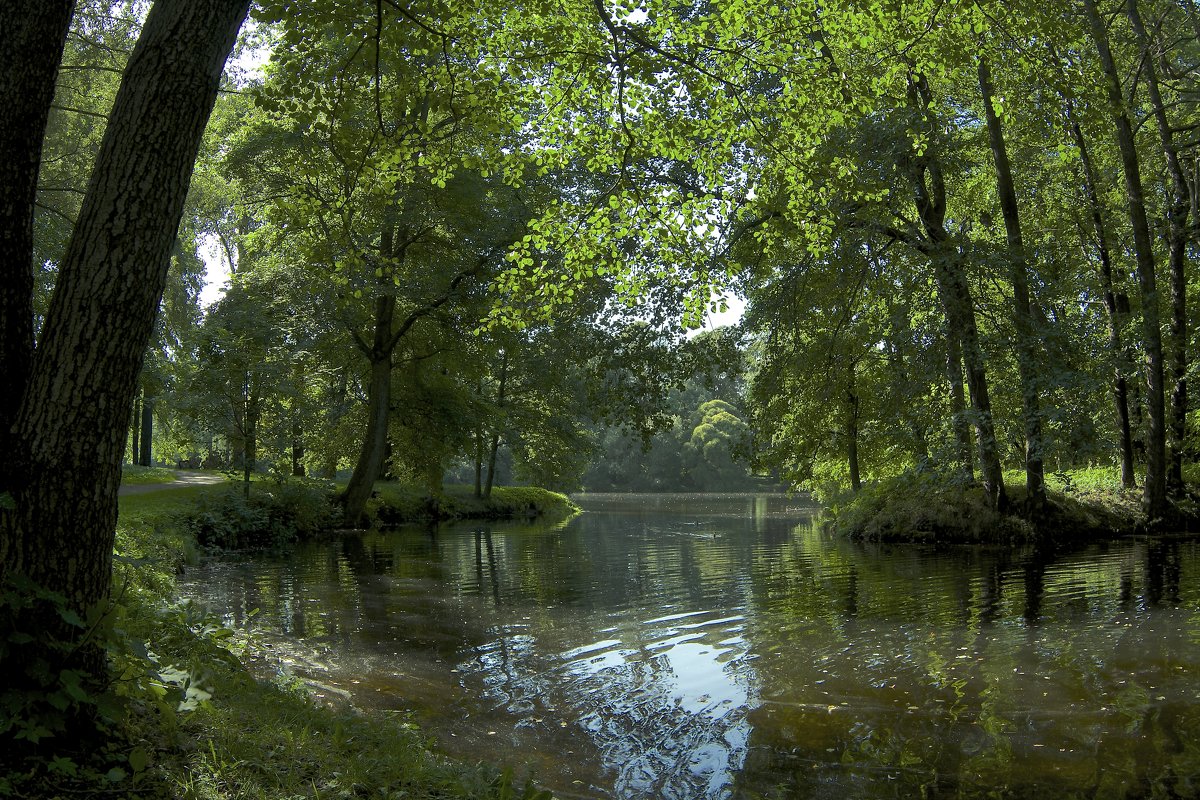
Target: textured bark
x: 146, y: 453
x: 32, y: 36
x: 379, y: 397
x: 958, y: 407
x: 70, y: 431
x: 1178, y: 210
x: 1154, y: 493
x: 1116, y: 317
x: 957, y: 303
x: 1026, y: 352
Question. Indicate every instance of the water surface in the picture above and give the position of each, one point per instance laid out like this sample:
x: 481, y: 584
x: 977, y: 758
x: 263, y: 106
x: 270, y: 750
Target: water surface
x: 700, y: 646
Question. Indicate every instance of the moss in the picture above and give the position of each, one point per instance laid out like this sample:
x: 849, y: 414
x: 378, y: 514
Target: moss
x: 1081, y: 504
x: 395, y: 503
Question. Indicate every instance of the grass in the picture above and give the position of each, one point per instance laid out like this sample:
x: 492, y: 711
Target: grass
x: 396, y: 503
x: 132, y: 474
x: 197, y: 724
x: 1082, y: 504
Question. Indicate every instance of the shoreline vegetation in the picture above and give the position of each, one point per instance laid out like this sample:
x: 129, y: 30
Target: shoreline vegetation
x: 1081, y: 505
x: 189, y: 717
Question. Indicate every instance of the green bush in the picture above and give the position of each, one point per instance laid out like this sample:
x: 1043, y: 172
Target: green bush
x: 268, y: 516
x: 395, y: 503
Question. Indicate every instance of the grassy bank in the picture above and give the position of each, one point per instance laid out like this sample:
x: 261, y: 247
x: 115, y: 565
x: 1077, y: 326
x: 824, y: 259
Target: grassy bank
x: 134, y: 475
x: 396, y: 503
x: 185, y: 719
x: 1082, y: 505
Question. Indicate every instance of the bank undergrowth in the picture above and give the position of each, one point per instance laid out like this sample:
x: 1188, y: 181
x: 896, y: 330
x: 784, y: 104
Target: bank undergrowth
x: 183, y: 718
x: 1083, y: 504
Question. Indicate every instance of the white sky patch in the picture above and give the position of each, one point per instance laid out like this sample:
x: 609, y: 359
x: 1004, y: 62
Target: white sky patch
x: 216, y: 271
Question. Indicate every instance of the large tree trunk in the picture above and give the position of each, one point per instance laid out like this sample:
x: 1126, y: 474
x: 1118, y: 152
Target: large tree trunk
x: 32, y: 36
x: 1178, y: 210
x: 1026, y: 348
x: 69, y: 436
x: 379, y: 397
x: 1154, y: 491
x: 1116, y: 316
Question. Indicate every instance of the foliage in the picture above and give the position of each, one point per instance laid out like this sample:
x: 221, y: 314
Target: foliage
x: 398, y: 503
x: 270, y: 514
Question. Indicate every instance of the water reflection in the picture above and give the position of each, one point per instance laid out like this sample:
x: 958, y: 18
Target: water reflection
x: 688, y: 647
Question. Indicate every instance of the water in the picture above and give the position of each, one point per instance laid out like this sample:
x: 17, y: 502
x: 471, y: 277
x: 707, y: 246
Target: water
x: 722, y: 646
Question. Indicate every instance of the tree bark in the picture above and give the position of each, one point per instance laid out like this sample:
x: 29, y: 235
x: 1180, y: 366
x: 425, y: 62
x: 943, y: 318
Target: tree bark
x: 955, y: 296
x: 1154, y: 494
x: 852, y: 410
x: 69, y: 436
x: 379, y: 398
x: 146, y: 454
x: 1035, y: 482
x: 495, y: 446
x: 1178, y: 211
x: 958, y: 407
x: 1116, y: 317
x: 33, y: 34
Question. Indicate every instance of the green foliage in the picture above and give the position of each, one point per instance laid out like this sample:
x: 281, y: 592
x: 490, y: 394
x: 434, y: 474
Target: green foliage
x: 394, y: 504
x: 269, y: 515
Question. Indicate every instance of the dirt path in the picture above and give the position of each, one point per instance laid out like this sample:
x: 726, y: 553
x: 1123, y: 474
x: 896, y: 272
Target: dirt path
x: 182, y: 478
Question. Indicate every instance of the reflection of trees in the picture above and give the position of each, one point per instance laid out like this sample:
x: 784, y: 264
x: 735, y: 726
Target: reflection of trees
x: 801, y: 665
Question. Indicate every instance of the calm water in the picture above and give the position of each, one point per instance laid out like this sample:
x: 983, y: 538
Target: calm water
x: 721, y: 646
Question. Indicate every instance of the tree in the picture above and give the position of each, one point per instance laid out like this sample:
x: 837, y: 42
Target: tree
x: 65, y: 438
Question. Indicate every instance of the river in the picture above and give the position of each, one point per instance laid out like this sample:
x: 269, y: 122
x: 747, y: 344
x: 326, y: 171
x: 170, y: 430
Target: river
x: 719, y: 646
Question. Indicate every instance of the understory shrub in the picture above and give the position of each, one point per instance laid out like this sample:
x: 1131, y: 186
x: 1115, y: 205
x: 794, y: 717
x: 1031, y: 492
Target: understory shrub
x: 270, y: 515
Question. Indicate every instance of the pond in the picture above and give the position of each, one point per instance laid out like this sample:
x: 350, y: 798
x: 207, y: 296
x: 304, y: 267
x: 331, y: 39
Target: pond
x: 713, y: 646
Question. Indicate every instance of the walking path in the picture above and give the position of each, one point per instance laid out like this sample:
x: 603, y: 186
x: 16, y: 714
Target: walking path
x: 182, y: 478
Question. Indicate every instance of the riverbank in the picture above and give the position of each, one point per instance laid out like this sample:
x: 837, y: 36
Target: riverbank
x: 185, y: 718
x: 1082, y: 505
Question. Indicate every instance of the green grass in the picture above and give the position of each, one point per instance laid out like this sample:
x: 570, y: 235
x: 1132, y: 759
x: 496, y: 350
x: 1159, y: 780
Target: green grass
x: 396, y: 503
x: 1083, y: 504
x: 133, y: 474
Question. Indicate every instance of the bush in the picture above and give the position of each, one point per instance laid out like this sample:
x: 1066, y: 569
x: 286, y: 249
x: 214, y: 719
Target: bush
x: 269, y: 516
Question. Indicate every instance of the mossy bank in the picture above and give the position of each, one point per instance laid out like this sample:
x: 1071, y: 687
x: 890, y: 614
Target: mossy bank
x: 184, y: 718
x: 1082, y: 505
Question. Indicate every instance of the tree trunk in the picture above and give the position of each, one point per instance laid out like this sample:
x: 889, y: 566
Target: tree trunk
x: 958, y: 407
x: 955, y: 296
x: 297, y: 446
x: 478, y: 463
x: 1116, y: 316
x: 1154, y: 494
x: 1035, y: 482
x: 32, y: 36
x: 1178, y: 210
x: 69, y: 436
x: 379, y: 398
x: 852, y: 408
x: 495, y: 446
x: 135, y: 427
x: 146, y: 454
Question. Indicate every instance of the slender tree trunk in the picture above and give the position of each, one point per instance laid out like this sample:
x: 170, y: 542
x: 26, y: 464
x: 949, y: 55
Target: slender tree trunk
x: 146, y: 455
x: 32, y: 36
x: 1178, y: 210
x: 297, y: 446
x: 69, y: 436
x: 135, y: 426
x: 955, y: 295
x: 958, y: 407
x: 1154, y: 490
x: 852, y: 410
x: 379, y: 398
x: 478, y: 463
x: 495, y: 446
x: 1116, y: 316
x: 1026, y: 351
